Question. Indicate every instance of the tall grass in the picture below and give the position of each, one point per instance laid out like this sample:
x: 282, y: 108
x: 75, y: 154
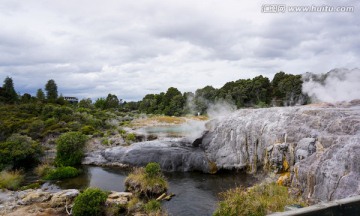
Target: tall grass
x: 150, y: 185
x: 256, y: 201
x: 11, y: 180
x: 43, y: 169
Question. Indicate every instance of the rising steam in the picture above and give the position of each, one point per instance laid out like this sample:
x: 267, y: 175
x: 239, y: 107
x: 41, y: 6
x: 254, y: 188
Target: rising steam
x: 334, y: 86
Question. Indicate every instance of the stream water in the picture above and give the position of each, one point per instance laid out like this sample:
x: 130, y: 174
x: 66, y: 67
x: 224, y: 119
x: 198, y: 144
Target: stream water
x: 195, y: 193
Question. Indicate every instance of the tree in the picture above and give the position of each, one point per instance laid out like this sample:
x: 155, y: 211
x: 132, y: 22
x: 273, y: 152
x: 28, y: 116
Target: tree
x: 26, y: 98
x: 61, y: 100
x: 9, y: 94
x: 287, y: 89
x: 70, y: 149
x: 204, y: 97
x: 111, y: 101
x: 261, y: 90
x: 40, y: 95
x: 51, y: 91
x: 291, y: 89
x: 86, y: 103
x: 148, y: 104
x: 176, y: 106
x: 100, y: 103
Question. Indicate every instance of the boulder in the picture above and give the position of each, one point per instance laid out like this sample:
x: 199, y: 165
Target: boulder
x: 118, y: 198
x: 37, y: 196
x: 171, y: 155
x: 61, y: 198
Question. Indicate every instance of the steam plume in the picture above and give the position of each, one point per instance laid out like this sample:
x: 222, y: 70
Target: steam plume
x: 335, y: 86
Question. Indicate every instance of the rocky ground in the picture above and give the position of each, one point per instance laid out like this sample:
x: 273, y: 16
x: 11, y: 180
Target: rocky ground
x: 41, y: 202
x: 315, y: 148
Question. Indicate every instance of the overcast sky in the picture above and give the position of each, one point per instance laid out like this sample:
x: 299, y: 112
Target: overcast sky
x: 132, y: 48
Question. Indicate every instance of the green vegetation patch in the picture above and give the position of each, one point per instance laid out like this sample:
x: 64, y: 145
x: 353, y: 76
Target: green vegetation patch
x: 19, y: 151
x: 152, y: 206
x: 90, y: 203
x: 70, y: 149
x: 147, y: 181
x: 11, y: 180
x: 62, y: 173
x: 256, y: 201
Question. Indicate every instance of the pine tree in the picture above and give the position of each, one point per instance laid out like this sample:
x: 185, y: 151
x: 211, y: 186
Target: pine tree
x: 51, y: 91
x: 40, y: 95
x: 8, y: 92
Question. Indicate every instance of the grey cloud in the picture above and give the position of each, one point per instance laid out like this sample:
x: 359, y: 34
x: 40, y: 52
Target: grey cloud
x: 132, y: 48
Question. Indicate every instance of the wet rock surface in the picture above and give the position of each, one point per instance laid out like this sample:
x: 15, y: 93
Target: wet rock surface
x: 171, y: 155
x: 320, y: 145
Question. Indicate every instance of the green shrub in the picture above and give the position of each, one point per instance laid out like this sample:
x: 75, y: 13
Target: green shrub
x: 256, y: 201
x: 62, y: 173
x: 90, y: 203
x: 19, y: 151
x: 74, y: 125
x: 130, y: 137
x: 152, y: 206
x: 11, y: 179
x: 122, y: 131
x: 88, y: 130
x: 152, y: 169
x: 70, y: 149
x: 36, y: 128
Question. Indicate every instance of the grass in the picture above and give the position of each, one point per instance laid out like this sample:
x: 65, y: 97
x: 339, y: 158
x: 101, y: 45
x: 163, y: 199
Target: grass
x: 35, y: 185
x: 62, y: 173
x: 165, y: 120
x: 43, y: 169
x: 139, y: 182
x: 11, y: 179
x: 256, y: 201
x: 152, y: 206
x: 130, y: 137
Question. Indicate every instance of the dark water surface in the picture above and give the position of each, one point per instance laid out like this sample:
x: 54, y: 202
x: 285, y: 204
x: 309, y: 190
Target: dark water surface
x: 195, y: 193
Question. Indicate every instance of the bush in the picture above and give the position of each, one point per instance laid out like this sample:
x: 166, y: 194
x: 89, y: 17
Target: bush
x: 70, y: 149
x: 19, y: 151
x: 43, y: 169
x: 11, y: 179
x: 149, y: 185
x: 90, y: 202
x: 88, y: 130
x: 256, y: 201
x: 152, y: 206
x: 62, y: 173
x: 152, y: 169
